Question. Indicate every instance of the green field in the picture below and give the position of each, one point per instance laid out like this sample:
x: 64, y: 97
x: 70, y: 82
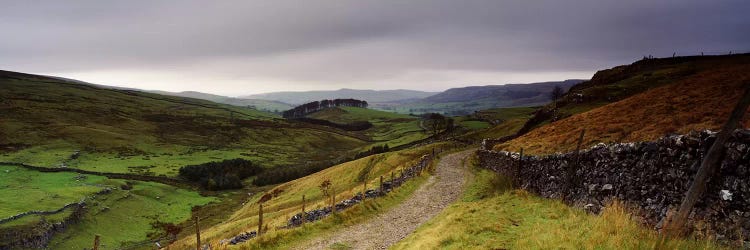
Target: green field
x: 388, y: 128
x: 507, y: 121
x: 121, y: 216
x: 126, y: 217
x: 23, y: 190
x: 491, y: 215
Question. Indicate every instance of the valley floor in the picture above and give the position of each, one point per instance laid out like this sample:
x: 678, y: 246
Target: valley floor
x: 384, y: 230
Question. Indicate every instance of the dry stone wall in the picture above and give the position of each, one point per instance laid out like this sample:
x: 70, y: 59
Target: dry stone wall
x: 652, y: 176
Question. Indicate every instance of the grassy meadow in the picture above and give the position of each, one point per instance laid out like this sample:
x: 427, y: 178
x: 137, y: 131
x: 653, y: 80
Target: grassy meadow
x: 493, y: 215
x: 507, y: 121
x: 23, y: 190
x: 388, y: 128
x: 122, y: 216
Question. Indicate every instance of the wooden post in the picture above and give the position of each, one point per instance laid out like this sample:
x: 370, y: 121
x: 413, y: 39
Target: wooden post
x: 381, y: 185
x: 710, y: 164
x: 392, y: 172
x: 571, y: 179
x: 197, y: 233
x: 96, y: 242
x: 260, y: 218
x: 304, y: 215
x: 364, y: 189
x: 518, y: 169
x: 333, y: 199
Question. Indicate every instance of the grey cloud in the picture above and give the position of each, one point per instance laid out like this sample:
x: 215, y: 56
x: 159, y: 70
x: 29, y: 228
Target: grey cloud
x: 313, y: 42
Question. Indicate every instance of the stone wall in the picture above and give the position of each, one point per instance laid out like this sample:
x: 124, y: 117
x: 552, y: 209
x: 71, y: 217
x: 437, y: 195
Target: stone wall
x: 651, y: 176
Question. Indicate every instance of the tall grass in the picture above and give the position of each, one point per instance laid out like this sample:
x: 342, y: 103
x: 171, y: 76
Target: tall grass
x: 491, y: 215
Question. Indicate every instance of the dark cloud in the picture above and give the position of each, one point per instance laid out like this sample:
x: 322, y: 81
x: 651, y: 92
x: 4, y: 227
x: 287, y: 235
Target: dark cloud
x: 249, y: 46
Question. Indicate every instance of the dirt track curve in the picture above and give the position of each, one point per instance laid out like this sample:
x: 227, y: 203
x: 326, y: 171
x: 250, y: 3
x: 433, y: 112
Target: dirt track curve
x: 384, y: 230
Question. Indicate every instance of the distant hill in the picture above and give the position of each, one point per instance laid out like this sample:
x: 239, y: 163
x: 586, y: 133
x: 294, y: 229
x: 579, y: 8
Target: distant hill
x: 459, y: 101
x: 371, y: 96
x: 531, y: 92
x: 265, y: 105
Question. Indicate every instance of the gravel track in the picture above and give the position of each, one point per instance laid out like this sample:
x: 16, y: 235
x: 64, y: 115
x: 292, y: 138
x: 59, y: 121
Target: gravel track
x: 384, y: 230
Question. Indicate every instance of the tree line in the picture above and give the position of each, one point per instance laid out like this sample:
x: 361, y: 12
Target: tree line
x: 226, y: 174
x: 310, y: 107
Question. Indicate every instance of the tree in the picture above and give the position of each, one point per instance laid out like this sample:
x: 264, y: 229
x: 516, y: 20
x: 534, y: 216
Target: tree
x: 556, y: 93
x: 435, y: 122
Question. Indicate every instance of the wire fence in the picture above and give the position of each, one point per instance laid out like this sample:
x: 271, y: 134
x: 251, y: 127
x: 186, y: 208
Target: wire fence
x: 696, y: 53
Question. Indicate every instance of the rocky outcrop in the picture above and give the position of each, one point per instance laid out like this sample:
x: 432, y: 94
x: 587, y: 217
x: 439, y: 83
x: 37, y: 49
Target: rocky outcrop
x: 652, y: 176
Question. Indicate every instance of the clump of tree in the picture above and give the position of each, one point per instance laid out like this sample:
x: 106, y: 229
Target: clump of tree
x: 310, y: 107
x: 374, y: 150
x: 287, y: 173
x: 226, y: 174
x: 438, y: 123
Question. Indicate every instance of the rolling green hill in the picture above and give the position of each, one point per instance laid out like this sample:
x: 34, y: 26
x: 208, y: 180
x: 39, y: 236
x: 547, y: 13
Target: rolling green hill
x: 388, y: 128
x: 46, y: 121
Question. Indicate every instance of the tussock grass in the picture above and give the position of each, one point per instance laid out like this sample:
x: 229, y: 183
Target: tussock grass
x: 491, y: 215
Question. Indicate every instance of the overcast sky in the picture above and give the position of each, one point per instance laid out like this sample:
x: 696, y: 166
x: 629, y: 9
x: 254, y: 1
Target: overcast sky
x: 244, y: 47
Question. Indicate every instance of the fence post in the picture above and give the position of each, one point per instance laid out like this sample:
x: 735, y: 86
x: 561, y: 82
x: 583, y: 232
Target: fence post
x: 518, y: 169
x: 381, y: 184
x: 197, y: 233
x: 392, y: 178
x: 260, y: 218
x: 304, y: 215
x: 364, y: 189
x: 333, y: 199
x: 571, y: 179
x: 96, y: 242
x: 710, y: 164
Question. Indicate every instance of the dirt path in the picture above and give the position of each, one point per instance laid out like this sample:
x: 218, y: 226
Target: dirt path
x: 386, y: 229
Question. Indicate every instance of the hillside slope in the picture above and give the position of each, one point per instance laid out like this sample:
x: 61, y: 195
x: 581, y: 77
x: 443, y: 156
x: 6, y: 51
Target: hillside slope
x: 699, y: 96
x: 46, y: 120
